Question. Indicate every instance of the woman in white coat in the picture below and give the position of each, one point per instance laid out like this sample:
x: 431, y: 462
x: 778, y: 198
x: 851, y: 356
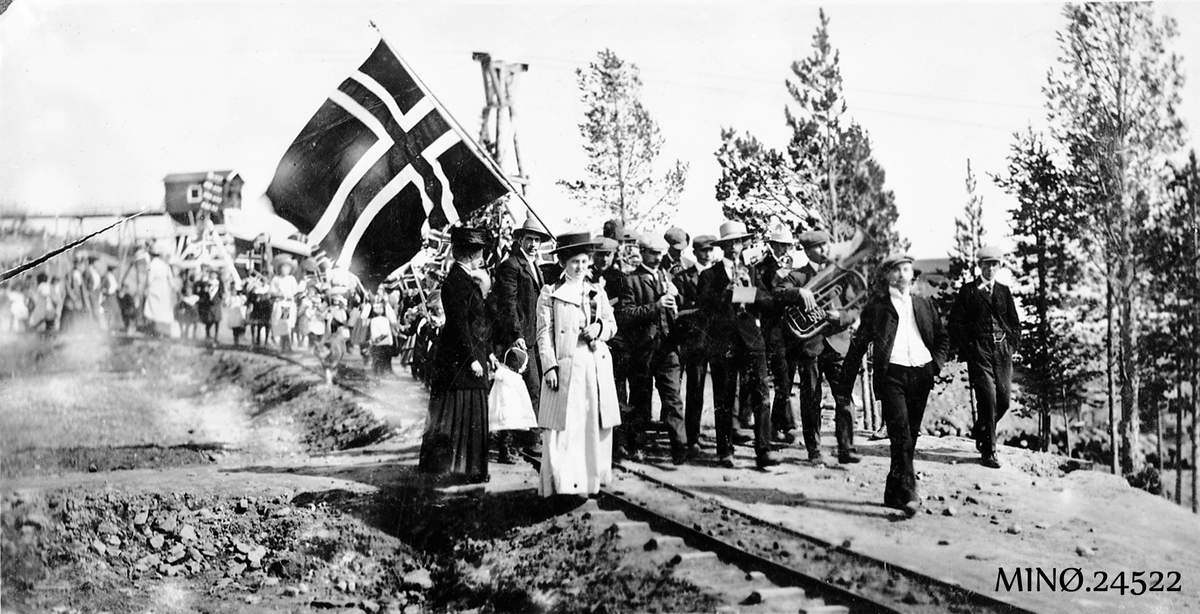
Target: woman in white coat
x: 578, y: 407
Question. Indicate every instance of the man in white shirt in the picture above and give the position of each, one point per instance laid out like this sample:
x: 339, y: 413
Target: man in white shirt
x: 910, y: 345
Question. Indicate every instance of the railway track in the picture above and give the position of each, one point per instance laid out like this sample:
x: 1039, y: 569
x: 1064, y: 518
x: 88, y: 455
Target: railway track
x: 754, y: 565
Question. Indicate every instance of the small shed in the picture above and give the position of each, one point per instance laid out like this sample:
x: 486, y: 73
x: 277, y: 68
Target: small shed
x: 188, y: 196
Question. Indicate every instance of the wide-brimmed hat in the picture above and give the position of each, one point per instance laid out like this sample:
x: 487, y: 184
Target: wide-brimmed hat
x: 676, y: 237
x: 894, y: 259
x: 284, y: 259
x: 532, y: 226
x: 989, y: 253
x: 572, y: 243
x: 464, y: 236
x: 730, y: 231
x: 814, y: 238
x: 782, y: 235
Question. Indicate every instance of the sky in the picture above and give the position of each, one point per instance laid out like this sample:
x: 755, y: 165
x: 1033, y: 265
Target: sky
x: 100, y: 100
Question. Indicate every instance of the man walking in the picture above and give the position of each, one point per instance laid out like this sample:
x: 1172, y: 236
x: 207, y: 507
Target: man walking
x: 690, y: 338
x: 910, y: 345
x: 733, y: 299
x: 986, y: 328
x: 646, y: 315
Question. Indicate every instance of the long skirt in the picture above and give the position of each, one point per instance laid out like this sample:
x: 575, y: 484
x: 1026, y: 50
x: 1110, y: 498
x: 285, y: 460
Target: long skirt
x: 456, y: 434
x: 578, y: 459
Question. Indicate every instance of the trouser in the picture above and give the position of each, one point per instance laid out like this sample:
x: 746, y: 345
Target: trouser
x: 726, y: 369
x: 695, y: 368
x: 990, y: 372
x: 655, y: 366
x: 620, y: 358
x: 533, y: 384
x: 782, y: 359
x: 812, y: 368
x: 903, y: 392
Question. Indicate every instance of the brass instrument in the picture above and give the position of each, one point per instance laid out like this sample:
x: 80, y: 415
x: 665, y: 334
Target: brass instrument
x: 837, y: 286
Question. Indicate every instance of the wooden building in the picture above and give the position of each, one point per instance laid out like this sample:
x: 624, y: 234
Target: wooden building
x: 187, y: 197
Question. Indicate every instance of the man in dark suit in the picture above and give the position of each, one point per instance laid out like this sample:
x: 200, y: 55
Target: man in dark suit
x: 732, y: 299
x: 986, y: 328
x: 772, y: 268
x: 646, y: 315
x: 816, y: 357
x: 910, y: 345
x: 517, y: 285
x: 677, y: 240
x: 689, y: 338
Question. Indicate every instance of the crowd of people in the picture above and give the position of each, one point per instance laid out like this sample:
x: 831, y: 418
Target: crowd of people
x: 616, y: 318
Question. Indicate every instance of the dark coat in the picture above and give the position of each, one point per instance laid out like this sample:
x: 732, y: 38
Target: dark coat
x: 464, y: 336
x: 972, y: 313
x: 768, y: 269
x: 726, y: 324
x: 688, y: 326
x: 641, y: 320
x: 878, y: 328
x: 516, y: 290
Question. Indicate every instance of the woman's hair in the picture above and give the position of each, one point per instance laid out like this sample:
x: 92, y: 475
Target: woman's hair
x: 570, y: 252
x: 464, y: 252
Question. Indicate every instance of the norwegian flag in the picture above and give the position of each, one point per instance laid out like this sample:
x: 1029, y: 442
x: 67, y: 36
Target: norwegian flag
x: 376, y: 168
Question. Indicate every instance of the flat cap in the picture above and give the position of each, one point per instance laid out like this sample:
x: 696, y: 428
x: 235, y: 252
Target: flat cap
x: 652, y: 243
x: 676, y: 237
x: 605, y: 244
x: 814, y: 238
x: 703, y: 242
x: 989, y: 253
x: 894, y: 259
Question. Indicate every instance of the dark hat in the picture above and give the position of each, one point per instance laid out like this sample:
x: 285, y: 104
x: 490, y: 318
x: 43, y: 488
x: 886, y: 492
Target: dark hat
x: 731, y: 230
x: 814, y: 238
x: 574, y: 243
x: 894, y: 259
x: 605, y: 244
x: 462, y: 235
x: 532, y: 226
x: 676, y: 237
x: 703, y: 242
x: 613, y: 229
x: 989, y: 253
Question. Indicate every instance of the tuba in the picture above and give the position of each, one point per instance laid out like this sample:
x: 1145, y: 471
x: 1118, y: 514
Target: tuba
x: 837, y: 286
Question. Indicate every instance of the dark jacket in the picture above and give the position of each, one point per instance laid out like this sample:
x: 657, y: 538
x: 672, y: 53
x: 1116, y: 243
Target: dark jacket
x: 768, y: 269
x: 464, y: 336
x: 517, y: 290
x: 640, y: 318
x: 724, y: 323
x: 612, y: 280
x: 688, y: 328
x: 878, y: 328
x: 974, y: 313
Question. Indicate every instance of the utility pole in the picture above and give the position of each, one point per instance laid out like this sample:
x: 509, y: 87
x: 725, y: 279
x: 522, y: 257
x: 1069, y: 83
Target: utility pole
x: 497, y: 131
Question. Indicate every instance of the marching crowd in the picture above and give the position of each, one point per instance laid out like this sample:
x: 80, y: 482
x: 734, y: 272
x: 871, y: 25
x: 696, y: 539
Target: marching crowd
x: 616, y: 318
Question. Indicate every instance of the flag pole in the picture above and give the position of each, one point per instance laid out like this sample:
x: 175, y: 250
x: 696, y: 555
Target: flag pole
x: 479, y: 151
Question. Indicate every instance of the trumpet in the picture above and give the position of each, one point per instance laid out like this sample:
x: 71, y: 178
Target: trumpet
x: 836, y: 287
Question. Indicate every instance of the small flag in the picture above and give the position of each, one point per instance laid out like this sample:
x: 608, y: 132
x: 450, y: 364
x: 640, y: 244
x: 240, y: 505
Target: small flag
x: 376, y: 168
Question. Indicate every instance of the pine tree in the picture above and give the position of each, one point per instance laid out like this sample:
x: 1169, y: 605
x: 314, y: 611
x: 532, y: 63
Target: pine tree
x: 1111, y: 102
x: 622, y: 142
x: 968, y: 234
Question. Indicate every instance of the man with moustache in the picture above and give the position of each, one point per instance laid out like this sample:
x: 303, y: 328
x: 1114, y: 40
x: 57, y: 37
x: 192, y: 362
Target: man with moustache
x: 646, y: 315
x: 732, y: 299
x: 517, y: 286
x: 986, y: 328
x: 690, y: 339
x: 910, y: 345
x: 772, y: 268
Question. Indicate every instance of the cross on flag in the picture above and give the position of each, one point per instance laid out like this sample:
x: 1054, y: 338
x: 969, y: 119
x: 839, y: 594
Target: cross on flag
x: 376, y: 168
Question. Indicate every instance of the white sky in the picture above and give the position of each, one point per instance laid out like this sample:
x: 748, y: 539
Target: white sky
x: 100, y: 100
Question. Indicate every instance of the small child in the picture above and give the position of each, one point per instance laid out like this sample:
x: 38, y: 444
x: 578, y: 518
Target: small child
x: 509, y: 407
x: 235, y: 312
x: 380, y: 337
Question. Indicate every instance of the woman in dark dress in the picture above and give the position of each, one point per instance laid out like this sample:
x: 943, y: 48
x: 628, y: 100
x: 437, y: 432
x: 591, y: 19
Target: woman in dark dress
x: 456, y: 435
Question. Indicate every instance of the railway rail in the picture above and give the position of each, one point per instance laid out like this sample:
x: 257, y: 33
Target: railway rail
x: 754, y: 564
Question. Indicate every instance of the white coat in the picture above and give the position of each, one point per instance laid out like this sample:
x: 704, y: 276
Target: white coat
x: 559, y: 322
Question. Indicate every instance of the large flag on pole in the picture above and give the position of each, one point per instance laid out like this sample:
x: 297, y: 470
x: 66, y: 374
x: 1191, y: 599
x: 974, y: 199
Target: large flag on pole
x: 376, y: 168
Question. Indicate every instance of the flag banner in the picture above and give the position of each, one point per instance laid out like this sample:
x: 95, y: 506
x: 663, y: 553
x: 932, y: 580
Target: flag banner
x: 376, y: 168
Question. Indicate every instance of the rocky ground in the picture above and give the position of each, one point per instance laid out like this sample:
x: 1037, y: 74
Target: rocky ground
x: 140, y: 478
